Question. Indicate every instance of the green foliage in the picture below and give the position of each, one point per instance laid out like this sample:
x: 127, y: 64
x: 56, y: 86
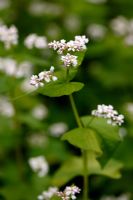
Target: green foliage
x: 107, y: 136
x: 66, y: 173
x: 57, y: 90
x: 83, y: 138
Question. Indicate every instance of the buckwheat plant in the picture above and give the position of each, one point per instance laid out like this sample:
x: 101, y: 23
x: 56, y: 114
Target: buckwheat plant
x: 97, y: 135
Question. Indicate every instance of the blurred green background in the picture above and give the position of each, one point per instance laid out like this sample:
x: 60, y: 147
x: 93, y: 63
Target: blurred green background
x: 107, y: 72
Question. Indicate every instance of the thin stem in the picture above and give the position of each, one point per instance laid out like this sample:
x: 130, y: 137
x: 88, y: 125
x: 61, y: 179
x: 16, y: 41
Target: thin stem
x: 67, y: 73
x: 75, y: 111
x: 85, y: 159
x: 84, y: 152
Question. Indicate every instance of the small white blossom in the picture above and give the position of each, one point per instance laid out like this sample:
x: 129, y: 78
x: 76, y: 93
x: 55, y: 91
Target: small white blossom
x: 97, y: 1
x: 10, y: 67
x: 108, y: 113
x: 58, y: 129
x: 128, y: 40
x: 40, y: 112
x: 46, y: 195
x: 35, y: 81
x: 44, y: 76
x: 33, y: 40
x: 9, y: 36
x: 6, y: 108
x: 119, y: 25
x: 96, y: 31
x: 39, y: 165
x: 38, y: 139
x: 4, y: 4
x: 69, y: 60
x: 69, y: 192
x: 79, y: 44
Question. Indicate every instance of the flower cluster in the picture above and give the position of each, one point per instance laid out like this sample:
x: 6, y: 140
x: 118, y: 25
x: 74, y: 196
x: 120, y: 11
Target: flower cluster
x: 78, y: 44
x: 6, y: 108
x: 122, y: 26
x: 9, y: 36
x: 69, y: 192
x: 108, y: 113
x: 33, y: 40
x: 69, y: 60
x: 44, y: 76
x: 39, y: 165
x: 63, y: 47
x: 10, y: 67
x: 46, y: 195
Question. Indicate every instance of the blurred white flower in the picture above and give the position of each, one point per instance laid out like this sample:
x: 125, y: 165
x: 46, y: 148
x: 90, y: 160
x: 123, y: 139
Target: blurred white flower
x: 40, y: 111
x: 97, y: 1
x: 37, y: 139
x: 6, y: 108
x: 122, y: 132
x: 33, y: 40
x: 4, y: 4
x: 129, y: 107
x: 39, y: 165
x: 120, y: 25
x: 9, y: 36
x: 39, y: 8
x: 46, y: 195
x: 58, y: 129
x: 121, y: 197
x: 10, y: 67
x: 128, y: 40
x: 24, y: 69
x: 72, y: 23
x: 96, y: 31
x: 26, y: 87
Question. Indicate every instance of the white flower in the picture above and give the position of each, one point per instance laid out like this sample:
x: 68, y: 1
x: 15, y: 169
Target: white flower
x: 9, y: 36
x: 128, y: 40
x: 97, y: 1
x: 69, y: 192
x: 46, y: 195
x: 8, y: 66
x: 108, y: 113
x: 45, y: 76
x: 39, y: 165
x: 40, y: 111
x: 58, y: 129
x: 79, y: 44
x: 119, y: 25
x: 69, y: 60
x: 35, y: 81
x: 24, y: 69
x: 96, y: 31
x: 6, y: 108
x: 33, y: 40
x: 4, y: 4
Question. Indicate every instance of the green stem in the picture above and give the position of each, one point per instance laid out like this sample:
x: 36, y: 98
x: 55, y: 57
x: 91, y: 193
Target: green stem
x: 84, y: 152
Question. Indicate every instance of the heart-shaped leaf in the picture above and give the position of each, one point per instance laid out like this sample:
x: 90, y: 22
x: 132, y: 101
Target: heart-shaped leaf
x: 60, y: 89
x: 83, y: 138
x: 108, y: 135
x: 66, y: 173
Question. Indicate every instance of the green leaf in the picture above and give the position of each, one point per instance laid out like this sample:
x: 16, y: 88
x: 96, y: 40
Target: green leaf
x: 108, y: 135
x: 83, y: 138
x: 74, y: 167
x: 65, y: 173
x: 60, y: 89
